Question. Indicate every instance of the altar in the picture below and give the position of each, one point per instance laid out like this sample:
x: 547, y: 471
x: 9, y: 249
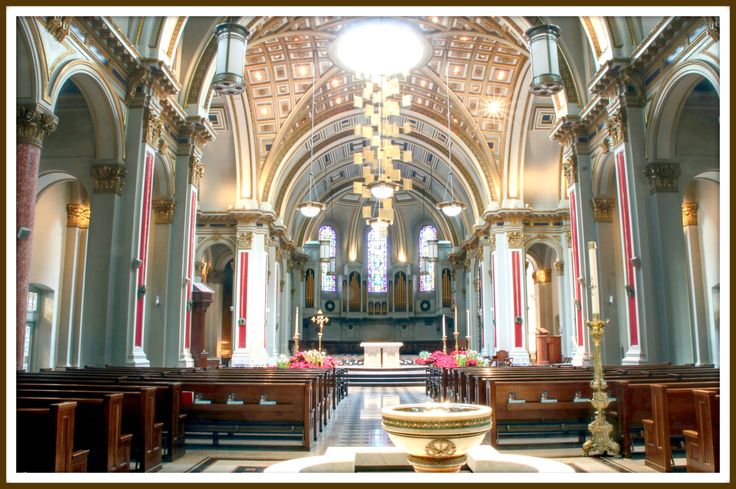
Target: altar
x: 381, y: 354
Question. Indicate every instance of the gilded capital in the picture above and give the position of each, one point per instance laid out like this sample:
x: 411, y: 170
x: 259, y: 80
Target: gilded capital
x: 662, y: 177
x: 616, y: 126
x: 559, y: 267
x: 245, y: 240
x: 153, y: 129
x: 542, y: 276
x: 34, y: 123
x: 108, y: 179
x: 492, y: 241
x: 570, y: 168
x: 59, y: 27
x: 690, y: 214
x: 196, y: 171
x: 163, y: 211
x: 602, y: 209
x: 516, y: 239
x: 77, y: 216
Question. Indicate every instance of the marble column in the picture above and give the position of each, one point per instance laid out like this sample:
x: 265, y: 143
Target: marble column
x: 272, y: 301
x: 488, y: 313
x: 33, y: 123
x: 676, y: 338
x: 701, y: 347
x: 509, y: 281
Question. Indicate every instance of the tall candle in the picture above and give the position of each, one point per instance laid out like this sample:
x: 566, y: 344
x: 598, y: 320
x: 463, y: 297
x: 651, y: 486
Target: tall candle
x: 467, y: 327
x: 444, y: 333
x: 594, y: 292
x: 296, y: 323
x: 456, y: 319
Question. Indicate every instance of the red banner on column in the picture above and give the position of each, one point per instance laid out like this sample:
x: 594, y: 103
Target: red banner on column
x: 576, y: 267
x: 515, y: 263
x: 243, y: 301
x: 623, y: 198
x: 190, y: 267
x: 143, y: 248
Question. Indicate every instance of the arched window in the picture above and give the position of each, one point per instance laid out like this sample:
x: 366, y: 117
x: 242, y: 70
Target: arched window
x: 426, y: 267
x: 329, y: 282
x: 377, y: 261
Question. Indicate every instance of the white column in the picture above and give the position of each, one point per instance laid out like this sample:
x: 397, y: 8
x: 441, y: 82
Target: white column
x: 510, y: 296
x: 486, y: 278
x: 249, y: 320
x: 701, y: 347
x: 272, y: 306
x: 68, y: 295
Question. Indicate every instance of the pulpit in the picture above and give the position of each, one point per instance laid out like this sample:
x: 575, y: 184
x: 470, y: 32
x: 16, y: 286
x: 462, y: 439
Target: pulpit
x: 201, y: 299
x: 381, y: 354
x: 549, y: 349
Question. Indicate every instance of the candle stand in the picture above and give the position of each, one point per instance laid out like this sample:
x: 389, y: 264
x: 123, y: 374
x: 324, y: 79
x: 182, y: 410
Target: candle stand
x: 600, y: 429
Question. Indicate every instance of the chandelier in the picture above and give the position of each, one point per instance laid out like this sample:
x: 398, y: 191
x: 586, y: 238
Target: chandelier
x: 310, y: 207
x: 451, y: 207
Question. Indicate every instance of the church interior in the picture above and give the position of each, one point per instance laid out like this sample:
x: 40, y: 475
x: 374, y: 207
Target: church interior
x: 245, y: 244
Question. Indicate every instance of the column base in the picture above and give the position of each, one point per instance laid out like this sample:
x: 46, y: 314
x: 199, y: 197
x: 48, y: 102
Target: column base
x: 245, y: 358
x: 520, y: 357
x: 138, y: 358
x: 185, y: 359
x: 578, y: 358
x: 634, y: 356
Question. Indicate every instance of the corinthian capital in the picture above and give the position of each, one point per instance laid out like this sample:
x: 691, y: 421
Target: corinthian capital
x: 33, y: 124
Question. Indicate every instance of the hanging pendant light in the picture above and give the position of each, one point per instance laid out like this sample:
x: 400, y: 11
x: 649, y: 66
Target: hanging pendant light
x: 431, y: 250
x: 451, y: 207
x: 546, y: 79
x: 382, y: 190
x: 311, y: 208
x: 230, y: 66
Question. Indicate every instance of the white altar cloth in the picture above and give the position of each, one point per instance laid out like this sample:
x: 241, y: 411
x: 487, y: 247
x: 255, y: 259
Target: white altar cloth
x: 381, y: 354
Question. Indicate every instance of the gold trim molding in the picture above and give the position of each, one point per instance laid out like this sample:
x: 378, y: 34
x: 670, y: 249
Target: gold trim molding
x: 516, y: 239
x: 77, y: 216
x: 616, y: 126
x: 570, y: 168
x: 33, y: 124
x: 602, y: 209
x: 245, y: 240
x: 559, y: 267
x: 196, y: 171
x: 108, y: 179
x: 59, y: 27
x: 163, y: 211
x: 542, y: 276
x: 689, y: 214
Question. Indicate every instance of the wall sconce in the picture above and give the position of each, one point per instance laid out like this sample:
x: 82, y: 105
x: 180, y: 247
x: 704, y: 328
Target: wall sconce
x: 23, y: 233
x: 636, y: 262
x: 137, y: 263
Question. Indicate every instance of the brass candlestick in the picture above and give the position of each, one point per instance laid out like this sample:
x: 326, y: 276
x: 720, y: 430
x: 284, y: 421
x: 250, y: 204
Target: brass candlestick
x: 467, y: 343
x: 600, y: 429
x: 456, y: 335
x: 296, y: 344
x: 444, y: 344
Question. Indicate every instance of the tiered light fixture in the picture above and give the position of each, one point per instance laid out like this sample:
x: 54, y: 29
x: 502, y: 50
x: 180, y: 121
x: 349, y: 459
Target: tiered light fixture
x: 310, y: 207
x: 381, y: 52
x: 451, y: 207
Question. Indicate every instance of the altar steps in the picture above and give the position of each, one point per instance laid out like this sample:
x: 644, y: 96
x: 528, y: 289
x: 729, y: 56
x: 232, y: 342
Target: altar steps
x: 377, y: 377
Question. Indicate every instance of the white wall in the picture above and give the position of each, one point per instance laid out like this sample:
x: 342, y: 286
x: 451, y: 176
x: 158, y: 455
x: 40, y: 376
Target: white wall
x: 46, y: 261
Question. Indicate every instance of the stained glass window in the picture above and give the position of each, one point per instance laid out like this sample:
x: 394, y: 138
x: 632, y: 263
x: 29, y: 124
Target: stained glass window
x: 426, y: 267
x: 329, y: 282
x: 377, y: 261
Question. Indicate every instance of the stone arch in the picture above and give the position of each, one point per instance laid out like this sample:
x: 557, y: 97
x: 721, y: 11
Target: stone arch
x: 105, y: 106
x: 666, y: 108
x: 29, y: 67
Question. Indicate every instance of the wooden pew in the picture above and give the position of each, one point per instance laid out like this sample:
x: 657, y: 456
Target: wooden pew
x: 293, y: 406
x: 635, y: 403
x: 45, y: 440
x: 97, y: 429
x: 673, y: 410
x: 702, y: 445
x: 168, y: 399
x: 138, y: 418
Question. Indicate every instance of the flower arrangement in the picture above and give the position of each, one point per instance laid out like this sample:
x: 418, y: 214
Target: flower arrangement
x: 310, y: 359
x: 453, y: 360
x: 282, y: 361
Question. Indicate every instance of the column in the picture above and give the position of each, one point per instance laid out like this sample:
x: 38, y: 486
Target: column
x: 157, y: 283
x: 272, y: 306
x: 701, y: 347
x: 565, y: 303
x: 472, y: 286
x: 189, y: 172
x: 603, y: 209
x: 641, y: 319
x: 101, y: 270
x: 676, y: 341
x: 577, y: 167
x: 251, y: 297
x: 33, y: 123
x: 77, y: 219
x: 488, y: 313
x: 509, y: 281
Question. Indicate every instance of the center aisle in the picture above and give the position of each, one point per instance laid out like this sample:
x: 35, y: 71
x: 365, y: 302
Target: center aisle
x: 357, y: 421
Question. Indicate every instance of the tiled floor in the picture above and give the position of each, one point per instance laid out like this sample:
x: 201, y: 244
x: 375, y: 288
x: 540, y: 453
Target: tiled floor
x: 357, y: 422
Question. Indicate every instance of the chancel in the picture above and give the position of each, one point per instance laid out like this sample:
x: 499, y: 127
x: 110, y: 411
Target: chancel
x: 480, y: 244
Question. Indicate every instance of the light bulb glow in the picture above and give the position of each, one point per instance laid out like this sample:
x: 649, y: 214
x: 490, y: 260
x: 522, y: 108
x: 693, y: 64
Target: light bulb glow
x: 382, y: 190
x: 451, y: 208
x: 310, y: 209
x: 380, y: 47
